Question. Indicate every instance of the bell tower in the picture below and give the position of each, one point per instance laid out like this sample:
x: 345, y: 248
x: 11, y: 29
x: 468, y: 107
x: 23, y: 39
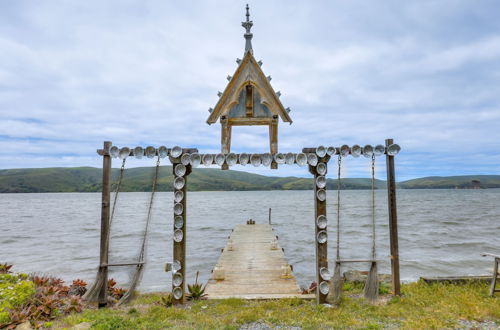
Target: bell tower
x: 249, y: 99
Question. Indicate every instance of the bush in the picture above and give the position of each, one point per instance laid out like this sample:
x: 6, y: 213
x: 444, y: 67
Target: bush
x: 15, y: 290
x: 37, y: 299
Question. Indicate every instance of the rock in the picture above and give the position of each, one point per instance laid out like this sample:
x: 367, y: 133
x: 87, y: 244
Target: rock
x: 357, y: 276
x: 82, y: 326
x: 24, y: 326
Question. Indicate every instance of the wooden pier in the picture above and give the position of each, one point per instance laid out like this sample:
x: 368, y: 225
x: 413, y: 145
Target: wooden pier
x: 252, y: 268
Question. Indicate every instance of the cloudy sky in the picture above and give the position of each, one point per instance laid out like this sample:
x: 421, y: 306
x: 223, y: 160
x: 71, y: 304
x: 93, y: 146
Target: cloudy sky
x: 426, y: 73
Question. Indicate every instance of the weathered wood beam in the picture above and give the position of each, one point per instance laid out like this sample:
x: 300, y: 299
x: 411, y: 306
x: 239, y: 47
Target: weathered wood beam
x: 249, y: 100
x: 393, y: 221
x: 250, y: 121
x: 179, y: 248
x: 102, y: 299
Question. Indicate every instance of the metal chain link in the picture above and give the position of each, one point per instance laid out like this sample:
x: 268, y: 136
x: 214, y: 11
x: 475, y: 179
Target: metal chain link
x: 338, y: 206
x: 373, y: 207
x: 148, y: 218
x: 117, y: 190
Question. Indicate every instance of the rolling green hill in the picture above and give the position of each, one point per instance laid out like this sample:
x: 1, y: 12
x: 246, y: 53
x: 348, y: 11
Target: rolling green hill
x: 88, y: 179
x: 453, y: 182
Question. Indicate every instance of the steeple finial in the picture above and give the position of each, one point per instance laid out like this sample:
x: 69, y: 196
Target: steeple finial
x: 248, y: 35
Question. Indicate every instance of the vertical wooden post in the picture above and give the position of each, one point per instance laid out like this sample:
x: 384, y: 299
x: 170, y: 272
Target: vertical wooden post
x: 269, y: 215
x: 225, y: 139
x: 105, y: 206
x: 393, y: 221
x: 273, y: 140
x: 493, y: 286
x: 179, y: 252
x: 321, y: 248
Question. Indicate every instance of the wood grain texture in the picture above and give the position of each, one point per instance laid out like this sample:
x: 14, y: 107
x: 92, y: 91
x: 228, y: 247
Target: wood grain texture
x: 393, y: 221
x: 105, y: 208
x: 252, y: 270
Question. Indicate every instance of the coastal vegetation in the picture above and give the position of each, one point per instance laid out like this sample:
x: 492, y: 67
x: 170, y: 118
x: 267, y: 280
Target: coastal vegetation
x: 46, y: 302
x: 88, y: 179
x: 421, y: 306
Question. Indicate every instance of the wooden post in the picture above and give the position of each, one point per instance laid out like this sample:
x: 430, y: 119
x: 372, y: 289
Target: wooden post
x: 321, y: 248
x: 225, y: 139
x: 273, y: 140
x: 393, y: 221
x: 105, y: 201
x: 179, y: 252
x: 493, y: 287
x: 269, y: 215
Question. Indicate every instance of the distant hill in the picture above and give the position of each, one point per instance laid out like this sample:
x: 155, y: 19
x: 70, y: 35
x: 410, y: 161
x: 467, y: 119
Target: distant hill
x: 453, y: 182
x: 88, y: 179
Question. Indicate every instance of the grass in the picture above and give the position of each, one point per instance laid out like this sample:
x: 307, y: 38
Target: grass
x: 421, y: 306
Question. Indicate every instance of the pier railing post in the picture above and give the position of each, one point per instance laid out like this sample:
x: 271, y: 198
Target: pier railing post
x: 393, y: 221
x: 105, y: 207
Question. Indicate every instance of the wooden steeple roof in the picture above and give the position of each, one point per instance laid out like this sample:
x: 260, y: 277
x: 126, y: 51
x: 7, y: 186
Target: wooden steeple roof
x: 249, y: 96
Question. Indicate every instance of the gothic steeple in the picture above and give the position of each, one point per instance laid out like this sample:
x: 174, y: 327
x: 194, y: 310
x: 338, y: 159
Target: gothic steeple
x: 248, y: 35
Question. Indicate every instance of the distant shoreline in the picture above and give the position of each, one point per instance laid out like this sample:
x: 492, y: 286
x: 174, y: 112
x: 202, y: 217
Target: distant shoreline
x: 138, y: 179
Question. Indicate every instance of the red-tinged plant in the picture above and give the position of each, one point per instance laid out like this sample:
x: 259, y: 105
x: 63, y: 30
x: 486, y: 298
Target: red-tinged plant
x: 111, y: 283
x: 40, y: 280
x: 311, y: 288
x: 74, y: 305
x: 5, y: 268
x: 79, y: 282
x: 117, y: 293
x: 77, y: 288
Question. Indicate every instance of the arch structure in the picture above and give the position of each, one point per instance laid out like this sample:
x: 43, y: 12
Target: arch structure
x: 185, y: 159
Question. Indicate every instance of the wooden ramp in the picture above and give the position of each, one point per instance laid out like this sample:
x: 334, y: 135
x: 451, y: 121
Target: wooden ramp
x: 252, y: 269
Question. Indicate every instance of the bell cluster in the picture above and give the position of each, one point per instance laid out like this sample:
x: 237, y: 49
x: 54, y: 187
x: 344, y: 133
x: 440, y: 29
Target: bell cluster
x: 195, y: 159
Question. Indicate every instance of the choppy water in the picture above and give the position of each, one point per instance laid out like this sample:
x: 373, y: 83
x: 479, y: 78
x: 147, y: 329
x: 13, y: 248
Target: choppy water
x: 441, y: 232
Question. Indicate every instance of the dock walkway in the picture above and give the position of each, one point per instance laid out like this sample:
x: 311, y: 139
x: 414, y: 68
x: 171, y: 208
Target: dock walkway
x: 252, y: 269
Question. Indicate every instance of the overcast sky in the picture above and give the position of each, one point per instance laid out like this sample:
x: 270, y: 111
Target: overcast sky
x: 426, y: 73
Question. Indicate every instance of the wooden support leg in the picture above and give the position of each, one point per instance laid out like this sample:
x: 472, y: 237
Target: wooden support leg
x: 495, y: 277
x: 104, y: 247
x: 321, y: 248
x: 179, y: 253
x: 225, y: 139
x: 273, y: 140
x: 393, y: 221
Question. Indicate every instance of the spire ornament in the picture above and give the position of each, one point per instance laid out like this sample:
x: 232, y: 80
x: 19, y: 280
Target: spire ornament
x: 248, y: 35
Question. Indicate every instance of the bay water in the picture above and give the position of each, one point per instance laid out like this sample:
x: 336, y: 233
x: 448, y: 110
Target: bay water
x: 441, y: 232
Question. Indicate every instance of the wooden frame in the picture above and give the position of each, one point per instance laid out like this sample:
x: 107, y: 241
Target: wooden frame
x: 179, y: 248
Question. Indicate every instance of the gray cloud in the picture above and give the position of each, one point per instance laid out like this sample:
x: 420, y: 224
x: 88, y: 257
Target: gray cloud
x: 424, y: 73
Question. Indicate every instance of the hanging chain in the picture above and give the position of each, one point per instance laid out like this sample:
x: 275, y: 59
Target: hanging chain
x: 373, y: 207
x: 150, y: 209
x: 117, y: 190
x: 338, y: 206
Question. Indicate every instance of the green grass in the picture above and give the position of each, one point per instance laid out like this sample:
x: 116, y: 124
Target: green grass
x: 435, y: 306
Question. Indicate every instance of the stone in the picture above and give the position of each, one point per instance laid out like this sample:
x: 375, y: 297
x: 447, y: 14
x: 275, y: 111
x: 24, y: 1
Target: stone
x: 82, y: 326
x: 24, y: 326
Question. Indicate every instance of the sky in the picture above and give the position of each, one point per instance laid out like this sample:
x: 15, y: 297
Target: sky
x: 425, y: 73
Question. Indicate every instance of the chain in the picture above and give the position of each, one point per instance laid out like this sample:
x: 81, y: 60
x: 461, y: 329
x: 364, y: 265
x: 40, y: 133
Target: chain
x: 338, y: 206
x: 373, y: 207
x: 150, y: 209
x: 117, y: 190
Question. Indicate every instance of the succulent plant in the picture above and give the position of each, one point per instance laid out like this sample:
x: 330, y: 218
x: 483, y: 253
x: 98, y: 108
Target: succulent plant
x: 167, y: 300
x: 196, y: 290
x: 5, y: 268
x: 78, y: 288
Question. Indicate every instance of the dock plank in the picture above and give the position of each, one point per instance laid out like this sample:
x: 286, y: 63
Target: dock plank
x: 252, y: 269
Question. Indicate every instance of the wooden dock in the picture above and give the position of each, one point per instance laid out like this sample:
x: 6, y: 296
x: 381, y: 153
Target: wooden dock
x: 252, y: 270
